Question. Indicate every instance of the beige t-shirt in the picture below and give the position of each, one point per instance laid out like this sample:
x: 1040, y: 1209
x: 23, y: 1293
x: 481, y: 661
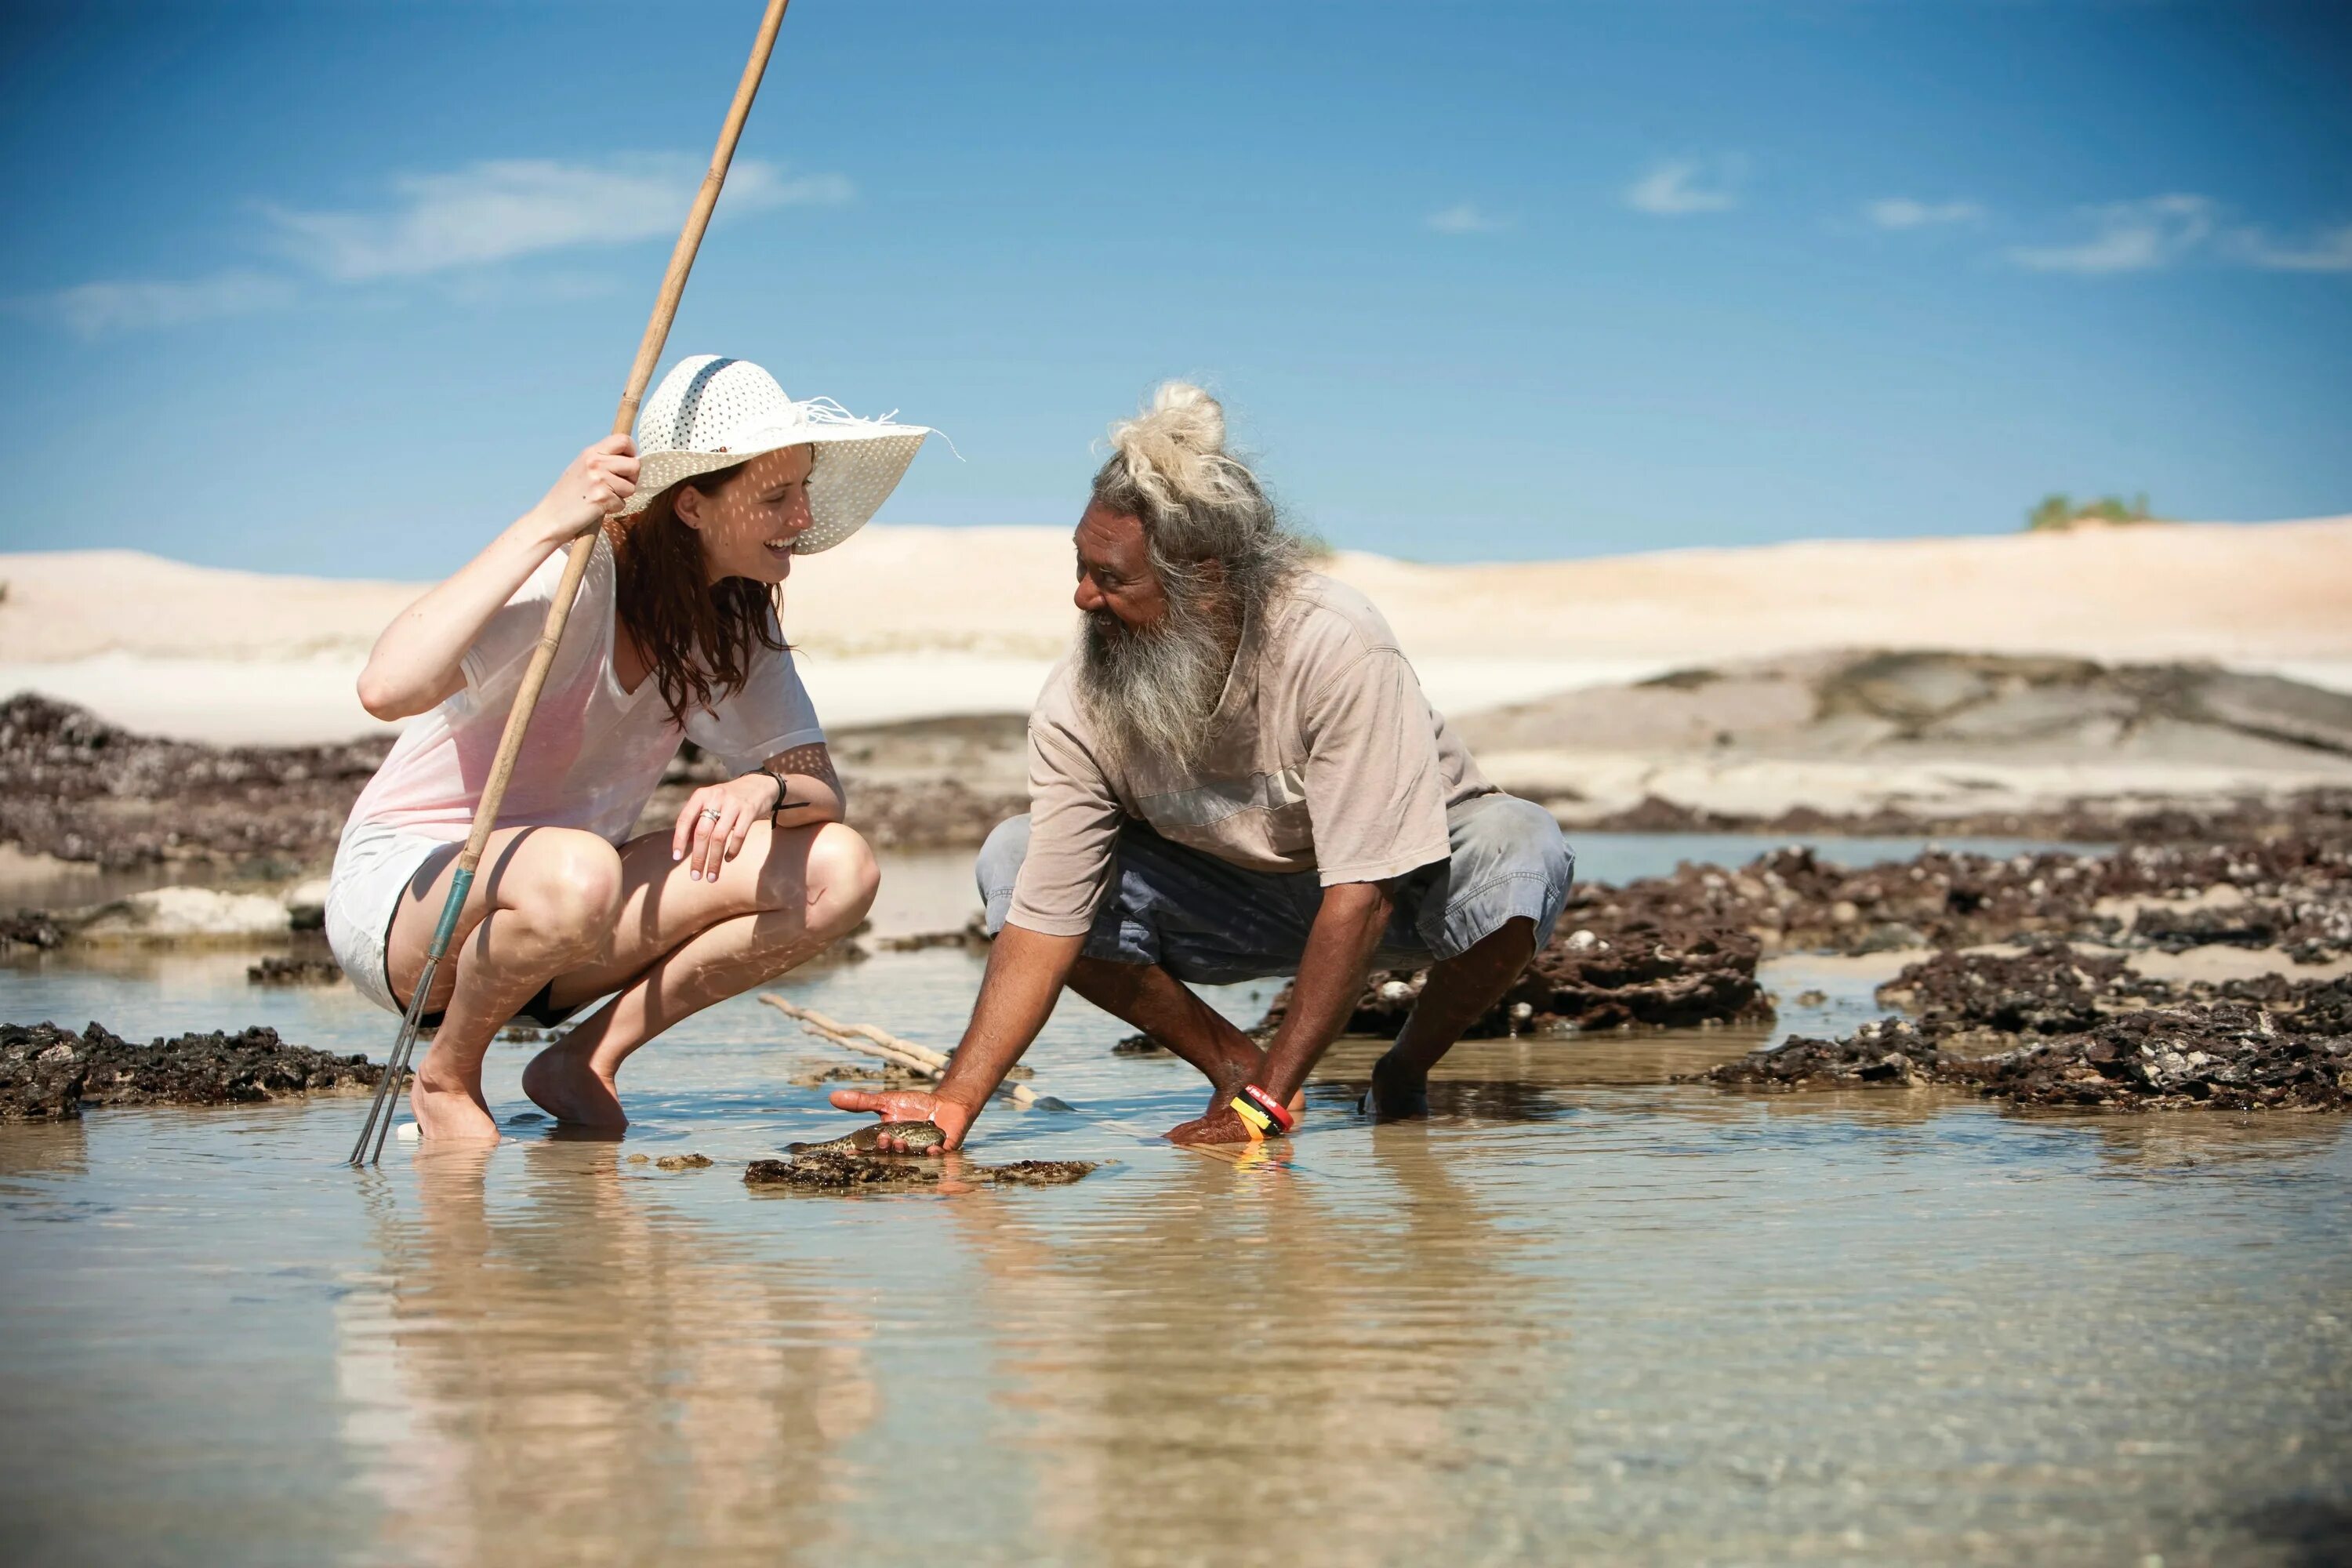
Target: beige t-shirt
x: 1324, y: 756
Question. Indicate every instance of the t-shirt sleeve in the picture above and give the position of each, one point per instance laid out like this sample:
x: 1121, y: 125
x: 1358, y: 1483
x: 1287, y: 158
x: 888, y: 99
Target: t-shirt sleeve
x: 1074, y: 821
x: 771, y: 713
x: 1375, y: 794
x: 514, y: 630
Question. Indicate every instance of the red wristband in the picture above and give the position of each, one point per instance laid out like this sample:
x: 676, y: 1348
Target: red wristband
x: 1271, y: 1106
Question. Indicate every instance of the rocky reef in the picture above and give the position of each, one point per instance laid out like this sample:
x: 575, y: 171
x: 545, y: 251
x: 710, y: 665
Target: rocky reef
x: 2293, y: 892
x: 1637, y: 975
x: 47, y: 1073
x: 1681, y: 950
x: 844, y: 1170
x: 76, y: 787
x: 2057, y: 1025
x: 81, y: 789
x: 294, y: 968
x: 35, y: 928
x: 2217, y: 1055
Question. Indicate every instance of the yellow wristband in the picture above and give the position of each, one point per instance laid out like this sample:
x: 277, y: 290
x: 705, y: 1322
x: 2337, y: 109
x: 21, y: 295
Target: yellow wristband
x: 1256, y: 1120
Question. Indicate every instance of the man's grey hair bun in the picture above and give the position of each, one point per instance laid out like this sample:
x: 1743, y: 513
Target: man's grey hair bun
x: 1169, y: 467
x: 1172, y: 448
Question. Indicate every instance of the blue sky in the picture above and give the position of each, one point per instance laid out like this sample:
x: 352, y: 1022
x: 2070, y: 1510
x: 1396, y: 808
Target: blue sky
x: 338, y: 287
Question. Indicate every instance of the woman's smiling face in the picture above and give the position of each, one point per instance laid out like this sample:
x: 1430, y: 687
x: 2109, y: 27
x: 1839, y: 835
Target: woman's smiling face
x: 749, y: 524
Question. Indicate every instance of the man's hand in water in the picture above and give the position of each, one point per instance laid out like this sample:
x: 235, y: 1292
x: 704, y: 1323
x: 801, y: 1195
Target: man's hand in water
x: 910, y: 1105
x: 1223, y: 1125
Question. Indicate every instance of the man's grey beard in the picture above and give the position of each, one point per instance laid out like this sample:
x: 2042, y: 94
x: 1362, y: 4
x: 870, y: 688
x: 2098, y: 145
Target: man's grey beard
x: 1153, y: 693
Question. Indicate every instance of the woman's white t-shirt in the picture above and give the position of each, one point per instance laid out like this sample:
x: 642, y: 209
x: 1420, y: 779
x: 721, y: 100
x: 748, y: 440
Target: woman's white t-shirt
x: 594, y: 753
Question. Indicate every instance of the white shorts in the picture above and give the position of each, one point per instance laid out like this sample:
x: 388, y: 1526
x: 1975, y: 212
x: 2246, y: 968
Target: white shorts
x: 374, y: 868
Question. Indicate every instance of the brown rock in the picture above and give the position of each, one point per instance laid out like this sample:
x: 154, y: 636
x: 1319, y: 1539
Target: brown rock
x: 48, y: 1072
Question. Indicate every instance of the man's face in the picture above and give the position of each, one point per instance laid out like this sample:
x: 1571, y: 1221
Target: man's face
x: 1115, y: 575
x: 1151, y: 667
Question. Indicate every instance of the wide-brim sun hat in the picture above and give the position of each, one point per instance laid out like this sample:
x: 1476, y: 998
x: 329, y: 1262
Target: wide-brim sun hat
x: 711, y: 412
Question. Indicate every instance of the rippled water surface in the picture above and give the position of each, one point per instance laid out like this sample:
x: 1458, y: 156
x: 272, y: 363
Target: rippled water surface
x: 1582, y: 1315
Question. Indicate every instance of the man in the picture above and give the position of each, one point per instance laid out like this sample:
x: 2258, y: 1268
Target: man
x: 1235, y: 775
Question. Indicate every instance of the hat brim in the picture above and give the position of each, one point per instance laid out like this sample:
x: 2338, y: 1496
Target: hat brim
x: 854, y: 474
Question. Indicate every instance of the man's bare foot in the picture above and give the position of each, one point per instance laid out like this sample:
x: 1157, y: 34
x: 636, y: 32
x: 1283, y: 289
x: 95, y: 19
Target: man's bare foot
x: 1397, y: 1093
x: 450, y: 1110
x: 571, y: 1087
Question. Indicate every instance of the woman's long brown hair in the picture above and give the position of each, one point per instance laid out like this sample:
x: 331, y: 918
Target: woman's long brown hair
x: 696, y: 637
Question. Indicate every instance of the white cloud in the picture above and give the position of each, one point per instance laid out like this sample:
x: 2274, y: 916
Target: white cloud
x: 2128, y: 237
x: 124, y: 305
x: 486, y: 212
x: 502, y: 208
x: 1465, y: 217
x: 2330, y: 251
x: 1684, y: 185
x: 1902, y: 212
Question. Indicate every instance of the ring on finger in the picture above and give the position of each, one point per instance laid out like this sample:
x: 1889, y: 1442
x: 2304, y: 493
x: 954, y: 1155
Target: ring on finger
x: 712, y: 813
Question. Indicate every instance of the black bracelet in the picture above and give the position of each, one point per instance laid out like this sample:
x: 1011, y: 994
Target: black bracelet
x: 770, y: 772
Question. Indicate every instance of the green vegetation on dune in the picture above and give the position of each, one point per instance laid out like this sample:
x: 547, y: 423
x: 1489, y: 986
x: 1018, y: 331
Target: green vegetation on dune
x: 2062, y: 511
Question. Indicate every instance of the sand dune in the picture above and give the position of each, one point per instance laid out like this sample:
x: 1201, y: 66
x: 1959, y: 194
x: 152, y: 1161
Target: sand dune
x: 906, y: 621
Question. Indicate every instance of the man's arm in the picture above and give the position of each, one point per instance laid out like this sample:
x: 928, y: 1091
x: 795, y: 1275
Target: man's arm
x: 1074, y: 821
x: 1339, y: 947
x: 1026, y: 969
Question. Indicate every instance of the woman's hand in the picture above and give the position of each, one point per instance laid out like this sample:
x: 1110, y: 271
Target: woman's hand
x: 949, y: 1116
x: 717, y: 819
x: 593, y: 488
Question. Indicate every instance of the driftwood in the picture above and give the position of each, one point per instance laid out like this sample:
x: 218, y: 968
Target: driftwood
x: 873, y: 1042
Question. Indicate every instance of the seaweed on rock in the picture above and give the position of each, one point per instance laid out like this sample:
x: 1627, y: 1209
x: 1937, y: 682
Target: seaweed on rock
x: 49, y: 1073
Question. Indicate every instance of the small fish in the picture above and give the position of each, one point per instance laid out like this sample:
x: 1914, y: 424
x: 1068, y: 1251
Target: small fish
x: 916, y: 1136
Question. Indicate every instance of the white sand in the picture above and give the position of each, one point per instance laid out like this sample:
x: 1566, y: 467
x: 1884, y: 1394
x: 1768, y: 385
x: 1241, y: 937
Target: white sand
x: 905, y: 622
x: 1588, y: 786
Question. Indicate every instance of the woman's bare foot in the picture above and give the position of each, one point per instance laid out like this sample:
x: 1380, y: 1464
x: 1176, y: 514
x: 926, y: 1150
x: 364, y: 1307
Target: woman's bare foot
x: 450, y: 1109
x: 569, y: 1086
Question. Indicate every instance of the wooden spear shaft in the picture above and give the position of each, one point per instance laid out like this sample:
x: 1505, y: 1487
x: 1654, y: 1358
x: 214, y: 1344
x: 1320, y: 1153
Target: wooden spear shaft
x: 649, y: 349
x: 575, y: 567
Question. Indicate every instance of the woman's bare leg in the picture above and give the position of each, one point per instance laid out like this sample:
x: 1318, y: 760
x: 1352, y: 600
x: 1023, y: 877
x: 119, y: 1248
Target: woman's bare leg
x: 681, y: 945
x: 543, y: 905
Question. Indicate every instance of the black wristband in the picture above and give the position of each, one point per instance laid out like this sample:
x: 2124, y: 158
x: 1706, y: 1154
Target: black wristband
x: 772, y: 773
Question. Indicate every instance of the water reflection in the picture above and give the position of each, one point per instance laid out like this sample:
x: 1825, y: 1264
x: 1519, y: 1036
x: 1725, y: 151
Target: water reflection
x: 43, y: 1149
x: 1255, y: 1366
x: 574, y: 1370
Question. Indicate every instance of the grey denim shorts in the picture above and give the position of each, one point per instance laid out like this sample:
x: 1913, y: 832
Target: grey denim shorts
x: 1207, y: 920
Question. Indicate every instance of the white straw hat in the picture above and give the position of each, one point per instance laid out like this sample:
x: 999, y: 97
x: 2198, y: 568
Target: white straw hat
x: 711, y: 412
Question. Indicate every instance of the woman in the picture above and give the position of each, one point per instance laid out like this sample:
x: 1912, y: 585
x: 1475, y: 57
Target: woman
x: 674, y: 635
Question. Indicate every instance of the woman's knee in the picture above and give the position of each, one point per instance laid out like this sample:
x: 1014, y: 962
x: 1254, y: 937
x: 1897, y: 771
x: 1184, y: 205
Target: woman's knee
x: 843, y: 875
x: 566, y: 883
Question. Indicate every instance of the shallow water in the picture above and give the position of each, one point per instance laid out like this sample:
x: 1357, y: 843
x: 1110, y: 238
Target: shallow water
x: 1583, y: 1315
